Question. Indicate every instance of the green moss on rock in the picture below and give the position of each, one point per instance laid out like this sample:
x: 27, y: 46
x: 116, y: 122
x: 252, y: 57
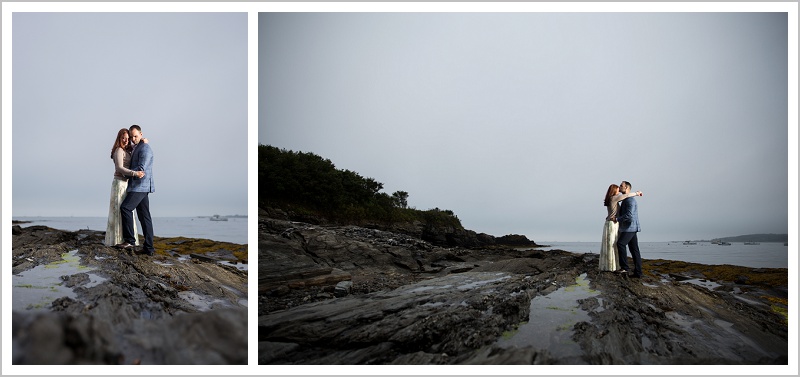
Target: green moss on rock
x: 763, y: 277
x: 186, y: 246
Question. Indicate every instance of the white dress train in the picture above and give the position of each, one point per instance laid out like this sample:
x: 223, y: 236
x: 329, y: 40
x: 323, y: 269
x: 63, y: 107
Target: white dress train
x: 609, y: 259
x: 114, y: 227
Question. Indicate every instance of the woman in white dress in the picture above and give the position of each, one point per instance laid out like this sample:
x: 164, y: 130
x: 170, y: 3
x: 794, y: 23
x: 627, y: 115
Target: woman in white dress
x: 121, y: 155
x: 609, y: 260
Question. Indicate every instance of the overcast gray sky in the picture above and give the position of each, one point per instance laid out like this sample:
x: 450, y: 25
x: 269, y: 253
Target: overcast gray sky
x: 518, y: 122
x: 80, y: 77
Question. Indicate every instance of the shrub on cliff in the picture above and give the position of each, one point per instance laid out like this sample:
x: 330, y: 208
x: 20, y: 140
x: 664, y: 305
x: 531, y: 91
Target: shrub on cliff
x: 304, y: 182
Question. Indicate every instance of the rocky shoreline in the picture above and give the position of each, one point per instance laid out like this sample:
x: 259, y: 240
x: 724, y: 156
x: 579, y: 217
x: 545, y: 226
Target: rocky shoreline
x: 185, y: 305
x: 353, y: 295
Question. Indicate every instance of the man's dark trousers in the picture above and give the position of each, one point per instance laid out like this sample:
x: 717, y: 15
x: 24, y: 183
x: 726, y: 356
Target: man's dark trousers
x: 141, y: 203
x: 629, y: 239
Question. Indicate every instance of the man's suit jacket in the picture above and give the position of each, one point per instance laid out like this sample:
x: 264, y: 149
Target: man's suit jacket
x: 142, y: 160
x: 628, y: 216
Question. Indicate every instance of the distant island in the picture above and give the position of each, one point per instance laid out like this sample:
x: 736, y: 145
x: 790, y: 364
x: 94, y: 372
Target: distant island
x: 770, y: 237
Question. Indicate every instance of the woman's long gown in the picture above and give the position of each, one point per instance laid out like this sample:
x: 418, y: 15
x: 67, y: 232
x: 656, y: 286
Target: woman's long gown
x: 118, y: 192
x: 609, y: 260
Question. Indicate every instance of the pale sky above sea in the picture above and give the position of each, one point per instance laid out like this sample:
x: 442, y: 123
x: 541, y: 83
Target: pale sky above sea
x: 519, y: 122
x: 78, y: 78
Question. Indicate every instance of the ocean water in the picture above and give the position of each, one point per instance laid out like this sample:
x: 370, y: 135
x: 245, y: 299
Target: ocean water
x: 763, y: 255
x: 234, y: 230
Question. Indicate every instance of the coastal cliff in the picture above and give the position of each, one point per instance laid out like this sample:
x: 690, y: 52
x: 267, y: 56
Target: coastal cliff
x: 185, y: 305
x: 445, y: 235
x: 345, y: 294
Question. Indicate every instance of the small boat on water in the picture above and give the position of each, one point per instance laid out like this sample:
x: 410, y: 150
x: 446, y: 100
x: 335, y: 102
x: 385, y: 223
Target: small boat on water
x: 752, y: 243
x: 723, y: 243
x: 218, y: 218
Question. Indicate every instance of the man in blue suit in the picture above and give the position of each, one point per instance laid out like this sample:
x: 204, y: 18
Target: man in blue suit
x: 628, y: 218
x: 139, y: 187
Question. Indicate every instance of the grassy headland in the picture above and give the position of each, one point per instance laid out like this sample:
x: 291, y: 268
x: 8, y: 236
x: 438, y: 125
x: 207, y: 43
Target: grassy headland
x: 309, y: 186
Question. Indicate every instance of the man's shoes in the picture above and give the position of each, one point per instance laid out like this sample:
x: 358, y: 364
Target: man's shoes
x: 636, y: 276
x: 142, y: 251
x: 123, y: 246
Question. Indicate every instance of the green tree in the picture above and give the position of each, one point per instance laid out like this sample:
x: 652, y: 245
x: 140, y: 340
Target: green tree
x: 400, y: 199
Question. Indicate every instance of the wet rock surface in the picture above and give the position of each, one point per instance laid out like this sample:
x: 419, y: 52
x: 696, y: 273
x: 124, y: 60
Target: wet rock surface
x: 410, y: 302
x: 125, y: 308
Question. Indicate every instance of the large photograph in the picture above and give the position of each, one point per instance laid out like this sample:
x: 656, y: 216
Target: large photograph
x: 129, y: 185
x: 524, y: 189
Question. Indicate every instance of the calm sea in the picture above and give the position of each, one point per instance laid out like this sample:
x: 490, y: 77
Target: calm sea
x: 765, y: 254
x: 234, y: 230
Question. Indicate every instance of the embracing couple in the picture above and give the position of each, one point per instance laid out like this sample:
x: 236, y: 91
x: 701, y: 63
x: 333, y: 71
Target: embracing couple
x: 133, y: 182
x: 620, y: 230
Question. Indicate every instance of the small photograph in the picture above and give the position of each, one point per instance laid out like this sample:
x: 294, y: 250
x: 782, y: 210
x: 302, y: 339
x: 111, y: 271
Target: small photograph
x: 528, y: 189
x: 129, y: 188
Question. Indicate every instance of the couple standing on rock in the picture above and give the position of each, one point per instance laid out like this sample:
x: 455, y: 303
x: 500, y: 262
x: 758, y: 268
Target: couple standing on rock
x: 133, y: 181
x: 620, y: 230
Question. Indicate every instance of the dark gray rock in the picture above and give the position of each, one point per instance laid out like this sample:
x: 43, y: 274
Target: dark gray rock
x: 422, y: 315
x: 142, y: 310
x: 214, y: 337
x: 76, y: 279
x: 413, y: 301
x: 343, y: 288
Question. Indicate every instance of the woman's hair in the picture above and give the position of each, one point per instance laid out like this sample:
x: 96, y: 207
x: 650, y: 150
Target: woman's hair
x: 609, y: 194
x: 118, y: 142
